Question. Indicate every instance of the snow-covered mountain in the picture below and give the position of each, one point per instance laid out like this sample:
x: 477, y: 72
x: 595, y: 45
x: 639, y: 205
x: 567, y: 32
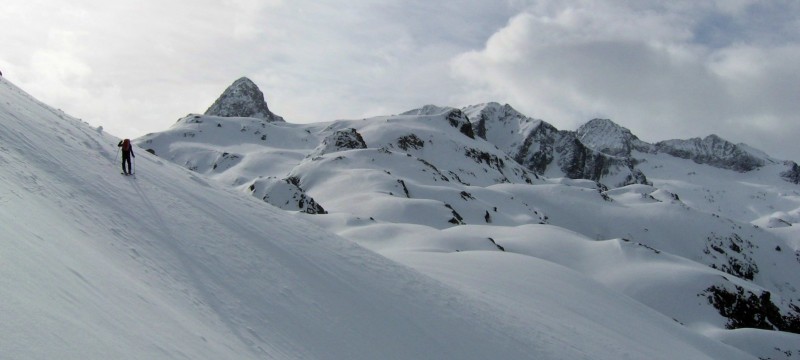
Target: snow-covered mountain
x: 243, y: 99
x: 701, y: 238
x: 547, y: 151
x: 715, y: 151
x: 435, y: 244
x: 604, y: 151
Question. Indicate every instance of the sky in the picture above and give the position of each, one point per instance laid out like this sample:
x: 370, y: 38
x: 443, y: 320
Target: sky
x: 664, y: 70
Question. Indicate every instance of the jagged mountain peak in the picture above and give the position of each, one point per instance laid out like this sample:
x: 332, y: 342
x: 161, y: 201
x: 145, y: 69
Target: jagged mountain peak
x: 493, y: 121
x: 243, y: 98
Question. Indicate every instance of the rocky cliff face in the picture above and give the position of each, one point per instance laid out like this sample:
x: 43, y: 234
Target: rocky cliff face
x: 712, y: 150
x: 242, y: 99
x: 602, y: 150
x: 543, y: 149
x: 792, y: 173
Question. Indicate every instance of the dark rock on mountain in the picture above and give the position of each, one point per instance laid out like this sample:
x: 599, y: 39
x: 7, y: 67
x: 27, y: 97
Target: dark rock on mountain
x: 285, y: 194
x: 242, y: 99
x: 535, y: 144
x: 537, y: 150
x: 410, y: 141
x: 712, y: 150
x: 745, y: 309
x: 577, y: 161
x: 340, y: 140
x: 455, y: 117
x: 460, y: 121
x: 792, y: 174
x: 602, y: 150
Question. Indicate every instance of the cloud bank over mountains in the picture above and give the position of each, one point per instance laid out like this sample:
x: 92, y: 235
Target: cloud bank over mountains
x: 664, y: 70
x: 679, y: 69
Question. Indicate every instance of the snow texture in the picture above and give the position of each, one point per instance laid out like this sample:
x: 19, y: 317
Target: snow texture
x: 436, y: 245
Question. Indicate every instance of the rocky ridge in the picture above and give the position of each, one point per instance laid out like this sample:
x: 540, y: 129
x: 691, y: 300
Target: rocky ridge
x: 601, y: 150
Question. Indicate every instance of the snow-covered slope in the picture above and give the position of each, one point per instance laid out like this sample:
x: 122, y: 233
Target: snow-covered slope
x: 405, y: 186
x: 168, y: 265
x: 493, y: 261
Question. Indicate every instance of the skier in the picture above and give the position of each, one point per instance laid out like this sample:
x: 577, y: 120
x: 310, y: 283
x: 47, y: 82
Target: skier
x: 127, y: 153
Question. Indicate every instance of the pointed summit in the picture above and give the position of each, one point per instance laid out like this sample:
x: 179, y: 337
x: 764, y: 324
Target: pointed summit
x: 242, y: 99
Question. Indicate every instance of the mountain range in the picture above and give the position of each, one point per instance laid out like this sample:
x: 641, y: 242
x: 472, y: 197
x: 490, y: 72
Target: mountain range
x: 440, y: 232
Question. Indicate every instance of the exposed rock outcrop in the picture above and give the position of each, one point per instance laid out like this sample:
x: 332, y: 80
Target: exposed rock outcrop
x: 792, y: 173
x: 340, y: 140
x: 712, y: 150
x: 285, y: 194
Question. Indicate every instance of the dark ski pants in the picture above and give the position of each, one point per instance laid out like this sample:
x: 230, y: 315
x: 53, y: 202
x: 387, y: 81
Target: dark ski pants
x: 126, y: 157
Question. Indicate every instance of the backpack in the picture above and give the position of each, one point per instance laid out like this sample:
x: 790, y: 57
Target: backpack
x: 126, y: 145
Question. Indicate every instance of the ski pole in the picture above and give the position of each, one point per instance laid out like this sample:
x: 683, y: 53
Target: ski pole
x: 117, y: 155
x: 134, y: 163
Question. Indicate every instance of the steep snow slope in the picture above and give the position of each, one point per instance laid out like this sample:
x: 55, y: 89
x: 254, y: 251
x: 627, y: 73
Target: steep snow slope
x: 169, y: 265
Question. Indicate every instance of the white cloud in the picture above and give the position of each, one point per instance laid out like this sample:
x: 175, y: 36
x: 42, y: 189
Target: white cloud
x: 644, y: 67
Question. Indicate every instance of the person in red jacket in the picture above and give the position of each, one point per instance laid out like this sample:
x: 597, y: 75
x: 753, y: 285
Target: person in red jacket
x: 127, y: 154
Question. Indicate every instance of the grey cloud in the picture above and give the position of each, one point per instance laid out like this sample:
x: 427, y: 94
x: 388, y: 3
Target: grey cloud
x: 648, y: 73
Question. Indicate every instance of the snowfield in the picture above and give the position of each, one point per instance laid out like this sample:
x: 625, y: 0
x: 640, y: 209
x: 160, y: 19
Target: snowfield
x: 421, y: 255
